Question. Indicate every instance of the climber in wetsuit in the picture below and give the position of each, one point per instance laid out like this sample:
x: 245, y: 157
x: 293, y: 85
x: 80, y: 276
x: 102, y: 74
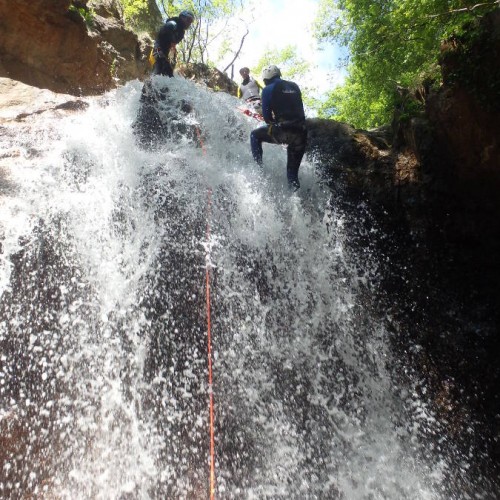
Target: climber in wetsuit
x: 170, y: 34
x: 249, y: 91
x: 151, y: 127
x: 249, y: 88
x: 283, y: 112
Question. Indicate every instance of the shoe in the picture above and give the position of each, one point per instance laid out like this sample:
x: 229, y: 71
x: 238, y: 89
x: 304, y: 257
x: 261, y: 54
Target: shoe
x: 293, y: 186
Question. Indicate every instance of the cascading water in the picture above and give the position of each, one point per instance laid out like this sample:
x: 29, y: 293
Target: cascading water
x: 104, y: 385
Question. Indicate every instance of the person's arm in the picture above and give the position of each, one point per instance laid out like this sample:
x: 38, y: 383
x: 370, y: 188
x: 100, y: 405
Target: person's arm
x: 166, y: 36
x: 266, y: 104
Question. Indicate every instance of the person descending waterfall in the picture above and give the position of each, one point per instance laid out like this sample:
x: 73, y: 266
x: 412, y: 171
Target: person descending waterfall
x: 163, y: 55
x: 283, y: 112
x: 249, y: 90
x: 152, y: 127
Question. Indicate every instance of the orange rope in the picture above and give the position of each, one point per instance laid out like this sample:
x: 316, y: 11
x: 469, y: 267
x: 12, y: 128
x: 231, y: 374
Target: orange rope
x: 210, y: 386
x: 200, y: 140
x: 209, y: 338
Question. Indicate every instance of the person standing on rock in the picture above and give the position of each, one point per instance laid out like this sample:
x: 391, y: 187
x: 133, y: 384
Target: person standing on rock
x: 249, y: 88
x: 249, y: 91
x: 163, y: 55
x: 283, y: 111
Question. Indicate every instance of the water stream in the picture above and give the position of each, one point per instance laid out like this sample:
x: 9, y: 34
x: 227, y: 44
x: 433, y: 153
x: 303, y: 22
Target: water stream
x: 103, y: 332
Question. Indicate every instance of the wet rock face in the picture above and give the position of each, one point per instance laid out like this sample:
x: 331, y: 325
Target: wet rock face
x: 65, y: 47
x: 22, y: 110
x: 18, y: 101
x: 438, y: 189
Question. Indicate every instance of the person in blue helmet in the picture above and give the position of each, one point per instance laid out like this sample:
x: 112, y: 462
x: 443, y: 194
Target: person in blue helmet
x: 163, y: 56
x: 283, y: 112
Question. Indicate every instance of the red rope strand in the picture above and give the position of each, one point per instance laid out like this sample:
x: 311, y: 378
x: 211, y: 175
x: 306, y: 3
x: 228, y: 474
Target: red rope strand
x: 210, y: 386
x: 209, y: 338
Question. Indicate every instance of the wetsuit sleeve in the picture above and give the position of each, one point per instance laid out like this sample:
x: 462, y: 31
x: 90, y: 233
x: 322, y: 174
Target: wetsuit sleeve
x: 266, y: 103
x: 166, y: 36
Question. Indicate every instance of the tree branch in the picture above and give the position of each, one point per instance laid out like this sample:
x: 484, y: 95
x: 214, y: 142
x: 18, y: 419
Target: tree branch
x: 465, y: 9
x: 237, y: 52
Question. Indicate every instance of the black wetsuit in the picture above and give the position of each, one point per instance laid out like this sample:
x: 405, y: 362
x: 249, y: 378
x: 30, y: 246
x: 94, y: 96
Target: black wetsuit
x: 170, y: 34
x: 283, y: 111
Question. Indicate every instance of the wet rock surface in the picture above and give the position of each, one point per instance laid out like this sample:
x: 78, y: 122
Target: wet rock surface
x: 434, y: 192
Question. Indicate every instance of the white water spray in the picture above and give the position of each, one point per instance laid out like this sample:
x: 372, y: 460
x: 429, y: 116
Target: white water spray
x: 103, y: 322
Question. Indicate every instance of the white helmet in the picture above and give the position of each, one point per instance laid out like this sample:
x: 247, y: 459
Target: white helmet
x: 270, y: 72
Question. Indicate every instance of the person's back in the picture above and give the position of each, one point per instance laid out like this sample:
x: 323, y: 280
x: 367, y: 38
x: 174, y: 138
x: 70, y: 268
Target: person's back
x: 284, y: 100
x: 283, y: 111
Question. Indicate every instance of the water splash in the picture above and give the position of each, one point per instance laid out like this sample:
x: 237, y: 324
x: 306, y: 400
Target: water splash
x: 103, y: 373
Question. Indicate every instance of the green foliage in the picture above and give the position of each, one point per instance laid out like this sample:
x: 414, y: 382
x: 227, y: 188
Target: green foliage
x: 113, y: 68
x: 391, y: 43
x: 471, y: 62
x: 287, y: 59
x: 213, y: 22
x: 86, y: 14
x: 140, y: 15
x: 356, y: 104
x: 412, y: 108
x: 226, y: 47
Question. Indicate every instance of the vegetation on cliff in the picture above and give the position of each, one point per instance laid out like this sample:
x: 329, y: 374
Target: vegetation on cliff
x: 391, y: 44
x: 141, y: 15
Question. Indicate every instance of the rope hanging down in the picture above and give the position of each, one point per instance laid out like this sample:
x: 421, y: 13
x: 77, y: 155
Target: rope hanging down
x: 209, y: 335
x: 209, y: 342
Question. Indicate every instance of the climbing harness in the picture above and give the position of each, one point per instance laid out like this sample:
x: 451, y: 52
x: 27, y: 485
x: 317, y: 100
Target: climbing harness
x: 156, y: 53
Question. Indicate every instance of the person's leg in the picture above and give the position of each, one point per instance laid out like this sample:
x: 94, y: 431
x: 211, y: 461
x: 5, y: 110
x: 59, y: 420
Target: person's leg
x: 162, y: 67
x: 257, y: 137
x: 297, y: 140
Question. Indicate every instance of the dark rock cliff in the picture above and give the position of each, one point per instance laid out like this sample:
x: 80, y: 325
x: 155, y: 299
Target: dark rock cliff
x: 433, y: 181
x: 68, y: 47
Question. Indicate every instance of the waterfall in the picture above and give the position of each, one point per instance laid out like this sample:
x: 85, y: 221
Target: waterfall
x: 103, y: 333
